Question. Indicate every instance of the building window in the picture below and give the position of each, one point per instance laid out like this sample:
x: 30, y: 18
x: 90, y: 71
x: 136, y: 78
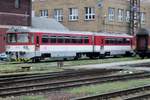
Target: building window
x: 89, y: 13
x: 73, y: 14
x: 44, y: 13
x: 58, y: 14
x: 111, y: 14
x: 17, y: 3
x: 127, y: 16
x: 142, y: 17
x: 120, y: 15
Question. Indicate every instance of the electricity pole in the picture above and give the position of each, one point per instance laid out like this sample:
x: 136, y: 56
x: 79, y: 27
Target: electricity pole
x: 135, y: 16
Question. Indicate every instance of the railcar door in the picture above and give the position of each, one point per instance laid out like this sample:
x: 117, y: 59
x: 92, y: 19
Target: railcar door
x: 142, y: 42
x: 37, y: 42
x: 37, y: 54
x: 102, y: 53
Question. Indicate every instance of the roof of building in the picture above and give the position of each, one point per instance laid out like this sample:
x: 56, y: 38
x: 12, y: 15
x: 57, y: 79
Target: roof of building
x: 47, y: 23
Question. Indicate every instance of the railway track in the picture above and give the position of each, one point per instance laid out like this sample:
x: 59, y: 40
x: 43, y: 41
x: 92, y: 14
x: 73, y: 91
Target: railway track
x: 53, y: 76
x: 67, y: 71
x: 121, y: 95
x: 63, y: 84
x: 145, y: 96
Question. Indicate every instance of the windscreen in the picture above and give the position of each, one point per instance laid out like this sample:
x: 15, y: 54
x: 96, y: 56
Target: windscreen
x: 17, y: 37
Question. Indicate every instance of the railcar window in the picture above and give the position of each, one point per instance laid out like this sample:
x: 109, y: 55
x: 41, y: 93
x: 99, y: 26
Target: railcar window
x: 12, y: 38
x: 107, y: 41
x: 120, y: 41
x: 67, y: 39
x: 127, y: 41
x: 23, y: 38
x: 45, y: 39
x: 112, y: 41
x: 79, y: 39
x: 117, y: 41
x: 73, y: 39
x: 53, y: 39
x: 86, y: 40
x: 18, y: 38
x: 60, y: 39
x: 32, y: 38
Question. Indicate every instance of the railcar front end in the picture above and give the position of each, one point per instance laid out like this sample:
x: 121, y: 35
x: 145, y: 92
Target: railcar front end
x: 20, y: 45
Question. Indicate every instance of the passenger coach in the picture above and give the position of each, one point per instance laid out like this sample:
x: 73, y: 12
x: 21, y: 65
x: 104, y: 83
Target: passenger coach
x: 143, y: 43
x: 35, y: 44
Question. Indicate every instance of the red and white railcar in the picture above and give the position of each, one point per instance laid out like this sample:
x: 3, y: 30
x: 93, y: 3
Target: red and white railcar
x: 24, y: 42
x: 113, y: 44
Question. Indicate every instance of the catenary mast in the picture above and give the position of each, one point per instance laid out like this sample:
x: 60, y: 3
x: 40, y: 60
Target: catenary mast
x: 135, y: 18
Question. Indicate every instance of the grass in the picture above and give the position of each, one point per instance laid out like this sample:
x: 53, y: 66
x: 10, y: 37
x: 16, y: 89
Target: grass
x: 52, y: 66
x: 100, y: 61
x: 93, y: 89
x: 25, y: 98
x: 108, y: 87
x: 35, y: 68
x: 32, y: 98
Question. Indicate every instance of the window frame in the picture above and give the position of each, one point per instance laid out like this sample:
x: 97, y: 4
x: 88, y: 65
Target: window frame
x: 58, y: 14
x: 73, y: 14
x: 44, y: 13
x: 111, y: 14
x: 17, y: 3
x: 89, y: 13
x: 143, y: 17
x: 120, y: 15
x: 127, y: 18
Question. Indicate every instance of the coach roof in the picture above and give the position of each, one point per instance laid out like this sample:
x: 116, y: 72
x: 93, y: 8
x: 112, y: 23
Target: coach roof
x: 143, y: 31
x: 33, y: 30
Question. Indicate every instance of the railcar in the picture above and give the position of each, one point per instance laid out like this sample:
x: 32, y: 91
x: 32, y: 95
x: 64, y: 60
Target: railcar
x: 114, y: 44
x: 36, y: 44
x: 143, y: 43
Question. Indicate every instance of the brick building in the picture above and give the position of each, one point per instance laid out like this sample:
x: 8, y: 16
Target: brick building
x: 90, y: 15
x: 13, y: 13
x: 148, y: 14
